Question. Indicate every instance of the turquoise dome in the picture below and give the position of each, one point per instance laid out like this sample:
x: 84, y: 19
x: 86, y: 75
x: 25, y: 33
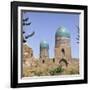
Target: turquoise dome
x: 62, y: 32
x: 44, y: 44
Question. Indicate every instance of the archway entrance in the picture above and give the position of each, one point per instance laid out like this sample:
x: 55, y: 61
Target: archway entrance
x: 63, y: 62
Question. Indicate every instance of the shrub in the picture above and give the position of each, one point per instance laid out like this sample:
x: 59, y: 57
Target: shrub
x: 57, y: 70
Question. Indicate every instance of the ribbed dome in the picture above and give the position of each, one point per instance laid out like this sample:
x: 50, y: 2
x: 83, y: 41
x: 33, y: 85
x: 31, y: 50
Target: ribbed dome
x: 62, y: 32
x: 44, y: 44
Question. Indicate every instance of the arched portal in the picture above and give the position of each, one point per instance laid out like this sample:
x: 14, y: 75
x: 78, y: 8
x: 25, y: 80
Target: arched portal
x: 63, y: 62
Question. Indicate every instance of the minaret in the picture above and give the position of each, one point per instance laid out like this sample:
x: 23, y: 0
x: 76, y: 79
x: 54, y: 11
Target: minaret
x: 62, y: 45
x: 44, y: 53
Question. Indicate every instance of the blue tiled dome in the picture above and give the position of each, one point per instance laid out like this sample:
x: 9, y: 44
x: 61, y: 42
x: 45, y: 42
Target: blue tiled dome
x: 44, y: 44
x: 62, y: 32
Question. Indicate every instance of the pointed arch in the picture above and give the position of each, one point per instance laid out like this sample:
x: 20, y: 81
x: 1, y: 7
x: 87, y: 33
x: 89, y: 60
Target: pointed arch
x: 64, y: 60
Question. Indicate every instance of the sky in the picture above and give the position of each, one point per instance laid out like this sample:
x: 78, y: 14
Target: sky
x: 45, y: 24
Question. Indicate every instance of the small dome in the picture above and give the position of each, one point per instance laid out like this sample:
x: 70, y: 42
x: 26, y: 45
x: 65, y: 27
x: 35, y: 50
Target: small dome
x: 62, y: 32
x: 44, y: 44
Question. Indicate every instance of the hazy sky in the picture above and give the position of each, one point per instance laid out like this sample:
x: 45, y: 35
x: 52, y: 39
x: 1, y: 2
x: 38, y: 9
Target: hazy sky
x: 45, y: 25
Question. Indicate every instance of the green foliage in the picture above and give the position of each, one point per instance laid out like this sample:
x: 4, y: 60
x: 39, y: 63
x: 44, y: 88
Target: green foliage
x: 57, y: 70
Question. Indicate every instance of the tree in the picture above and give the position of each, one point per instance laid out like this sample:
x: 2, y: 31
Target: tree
x: 25, y: 22
x: 78, y: 34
